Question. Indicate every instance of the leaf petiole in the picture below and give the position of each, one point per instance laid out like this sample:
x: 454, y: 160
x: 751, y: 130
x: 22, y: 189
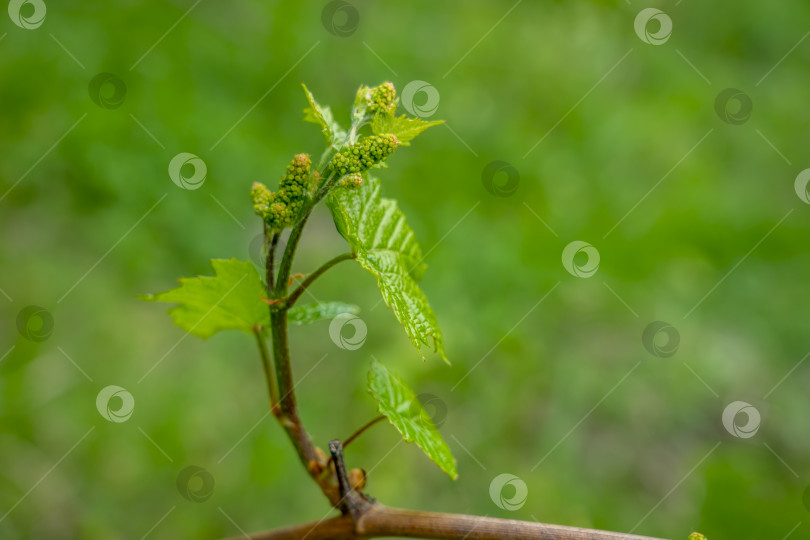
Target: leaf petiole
x: 293, y: 297
x: 362, y: 430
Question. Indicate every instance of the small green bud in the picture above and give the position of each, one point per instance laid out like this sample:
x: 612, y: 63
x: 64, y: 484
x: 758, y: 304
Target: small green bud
x: 277, y: 216
x: 281, y: 209
x: 351, y: 181
x: 297, y: 172
x: 696, y: 536
x: 383, y: 99
x: 261, y: 197
x: 364, y: 154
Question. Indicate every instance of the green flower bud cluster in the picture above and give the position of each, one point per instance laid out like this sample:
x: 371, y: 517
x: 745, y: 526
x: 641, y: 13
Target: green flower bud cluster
x: 696, y: 536
x: 351, y: 181
x: 383, y: 99
x: 282, y: 208
x: 364, y: 154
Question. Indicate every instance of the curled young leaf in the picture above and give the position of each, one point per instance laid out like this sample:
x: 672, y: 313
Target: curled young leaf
x: 319, y: 114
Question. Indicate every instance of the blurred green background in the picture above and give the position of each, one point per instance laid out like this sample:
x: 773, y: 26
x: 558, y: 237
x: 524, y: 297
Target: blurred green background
x: 713, y: 242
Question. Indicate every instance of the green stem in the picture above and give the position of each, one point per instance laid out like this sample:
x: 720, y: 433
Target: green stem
x: 272, y: 387
x: 281, y: 351
x: 286, y: 410
x: 281, y: 364
x: 270, y: 243
x: 315, y: 275
x: 326, y: 186
x: 289, y: 255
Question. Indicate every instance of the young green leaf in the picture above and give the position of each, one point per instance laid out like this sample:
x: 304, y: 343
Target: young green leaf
x: 229, y: 301
x: 360, y: 108
x: 402, y: 408
x: 384, y: 245
x: 318, y: 114
x: 310, y: 313
x: 403, y: 127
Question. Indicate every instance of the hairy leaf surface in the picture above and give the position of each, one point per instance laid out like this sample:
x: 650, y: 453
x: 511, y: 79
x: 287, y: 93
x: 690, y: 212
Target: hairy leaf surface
x: 385, y: 245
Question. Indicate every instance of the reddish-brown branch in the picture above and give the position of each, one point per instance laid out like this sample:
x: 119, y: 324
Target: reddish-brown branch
x: 382, y: 521
x: 337, y: 528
